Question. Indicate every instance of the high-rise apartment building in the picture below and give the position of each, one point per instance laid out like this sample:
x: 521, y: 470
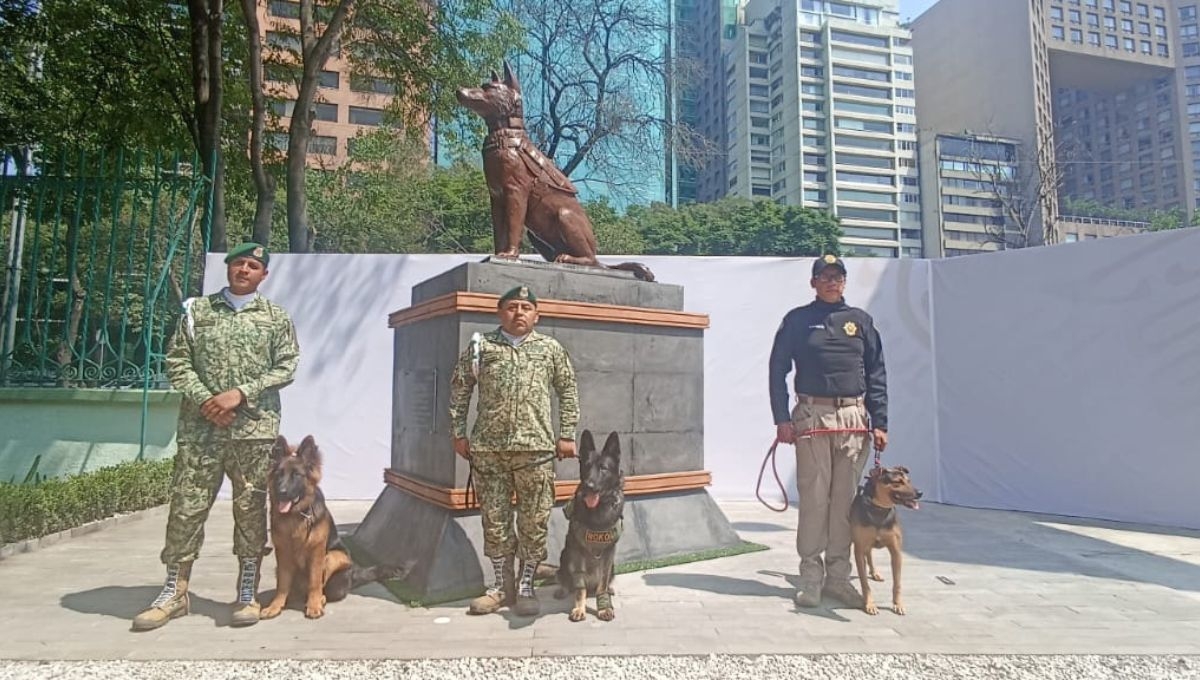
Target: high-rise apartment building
x: 821, y: 112
x: 344, y: 105
x: 1088, y: 90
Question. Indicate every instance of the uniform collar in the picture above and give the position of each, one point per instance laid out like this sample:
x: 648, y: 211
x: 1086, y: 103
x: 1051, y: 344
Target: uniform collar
x: 218, y: 298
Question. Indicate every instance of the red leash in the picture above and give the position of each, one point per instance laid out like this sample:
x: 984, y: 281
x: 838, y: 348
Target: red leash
x: 774, y: 470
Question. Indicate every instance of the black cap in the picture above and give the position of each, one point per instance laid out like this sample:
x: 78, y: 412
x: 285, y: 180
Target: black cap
x: 824, y: 261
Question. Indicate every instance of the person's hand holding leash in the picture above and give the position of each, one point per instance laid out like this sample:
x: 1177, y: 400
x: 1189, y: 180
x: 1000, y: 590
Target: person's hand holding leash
x: 565, y: 448
x: 462, y: 446
x: 880, y: 438
x: 785, y: 433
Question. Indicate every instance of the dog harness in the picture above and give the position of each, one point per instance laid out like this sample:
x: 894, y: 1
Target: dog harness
x: 541, y: 167
x: 593, y: 540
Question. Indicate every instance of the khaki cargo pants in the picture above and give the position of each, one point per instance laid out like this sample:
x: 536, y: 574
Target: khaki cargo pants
x: 828, y: 469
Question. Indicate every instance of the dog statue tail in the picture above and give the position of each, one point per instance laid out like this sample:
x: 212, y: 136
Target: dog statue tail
x: 639, y: 270
x: 341, y: 583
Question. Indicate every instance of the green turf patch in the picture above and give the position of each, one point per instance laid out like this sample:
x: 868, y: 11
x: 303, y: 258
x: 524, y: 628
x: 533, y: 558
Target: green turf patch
x: 410, y: 597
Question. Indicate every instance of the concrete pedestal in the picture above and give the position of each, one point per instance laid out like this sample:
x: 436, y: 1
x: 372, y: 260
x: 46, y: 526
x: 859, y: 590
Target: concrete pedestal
x: 639, y: 359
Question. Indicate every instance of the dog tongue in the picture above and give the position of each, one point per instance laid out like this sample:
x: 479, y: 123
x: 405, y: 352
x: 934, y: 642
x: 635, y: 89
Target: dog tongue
x: 916, y: 505
x: 591, y: 500
x: 284, y: 506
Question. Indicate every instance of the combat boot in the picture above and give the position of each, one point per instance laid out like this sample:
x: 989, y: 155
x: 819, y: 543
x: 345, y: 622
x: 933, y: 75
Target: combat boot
x: 503, y: 591
x: 171, y: 603
x: 527, y: 602
x: 246, y: 609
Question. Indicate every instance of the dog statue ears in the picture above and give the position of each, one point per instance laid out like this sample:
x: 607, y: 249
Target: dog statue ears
x: 510, y: 78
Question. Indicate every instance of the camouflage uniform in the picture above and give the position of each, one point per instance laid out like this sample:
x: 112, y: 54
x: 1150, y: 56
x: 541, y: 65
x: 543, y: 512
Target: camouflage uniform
x: 214, y: 349
x: 512, y: 441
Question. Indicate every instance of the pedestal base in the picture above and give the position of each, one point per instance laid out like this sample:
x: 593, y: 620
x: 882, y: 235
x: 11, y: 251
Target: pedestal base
x: 449, y: 566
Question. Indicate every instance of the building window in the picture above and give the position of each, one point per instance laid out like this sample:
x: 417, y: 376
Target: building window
x: 1143, y: 10
x: 1074, y: 15
x: 1093, y: 38
x: 323, y: 145
x: 361, y: 115
x: 1163, y: 51
x: 326, y: 112
x: 1093, y: 20
x: 1147, y: 47
x: 330, y: 80
x: 1057, y: 33
x: 1076, y: 36
x: 1056, y: 13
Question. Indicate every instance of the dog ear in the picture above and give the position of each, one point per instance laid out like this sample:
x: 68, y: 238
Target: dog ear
x: 901, y: 469
x: 510, y: 78
x: 309, y: 453
x: 587, y: 448
x: 612, y: 447
x: 280, y: 448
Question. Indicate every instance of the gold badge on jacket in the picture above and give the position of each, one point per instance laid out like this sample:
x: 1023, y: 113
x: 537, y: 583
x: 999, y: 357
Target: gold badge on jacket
x: 851, y: 328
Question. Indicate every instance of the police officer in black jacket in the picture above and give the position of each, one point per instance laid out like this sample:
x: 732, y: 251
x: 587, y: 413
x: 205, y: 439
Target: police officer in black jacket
x: 841, y: 407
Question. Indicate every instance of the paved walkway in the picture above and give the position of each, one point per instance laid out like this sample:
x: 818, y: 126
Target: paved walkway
x: 976, y: 582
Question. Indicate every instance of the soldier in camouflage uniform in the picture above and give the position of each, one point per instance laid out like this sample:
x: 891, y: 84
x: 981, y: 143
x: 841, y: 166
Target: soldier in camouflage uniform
x: 512, y: 446
x: 230, y: 355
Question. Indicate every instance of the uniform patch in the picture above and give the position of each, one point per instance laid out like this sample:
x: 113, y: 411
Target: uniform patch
x: 851, y: 328
x: 830, y: 259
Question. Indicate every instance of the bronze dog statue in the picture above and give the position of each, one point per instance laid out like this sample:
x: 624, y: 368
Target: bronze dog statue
x: 527, y: 189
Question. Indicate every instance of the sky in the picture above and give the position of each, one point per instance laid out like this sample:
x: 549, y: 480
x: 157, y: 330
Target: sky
x: 911, y: 9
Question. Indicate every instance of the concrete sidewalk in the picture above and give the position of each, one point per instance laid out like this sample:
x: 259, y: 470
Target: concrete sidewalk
x: 976, y: 582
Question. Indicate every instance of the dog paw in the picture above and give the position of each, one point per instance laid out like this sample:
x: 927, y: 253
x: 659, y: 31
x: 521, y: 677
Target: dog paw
x: 876, y: 577
x: 315, y: 610
x: 578, y: 614
x: 271, y: 611
x: 870, y: 608
x: 606, y: 614
x: 898, y: 608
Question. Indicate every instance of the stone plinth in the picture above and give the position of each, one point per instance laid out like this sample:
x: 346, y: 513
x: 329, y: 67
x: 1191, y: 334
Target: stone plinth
x: 639, y: 358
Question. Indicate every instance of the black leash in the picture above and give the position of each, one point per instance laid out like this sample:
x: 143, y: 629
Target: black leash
x: 471, y: 498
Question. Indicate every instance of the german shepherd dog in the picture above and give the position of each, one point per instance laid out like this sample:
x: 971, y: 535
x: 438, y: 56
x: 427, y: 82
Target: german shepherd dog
x: 587, y: 563
x: 874, y: 523
x: 527, y: 189
x: 310, y: 557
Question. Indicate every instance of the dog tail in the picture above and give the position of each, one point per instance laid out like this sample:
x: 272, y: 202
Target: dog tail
x: 341, y: 583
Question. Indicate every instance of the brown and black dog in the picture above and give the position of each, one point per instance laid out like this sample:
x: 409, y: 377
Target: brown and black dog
x: 874, y: 523
x: 588, y: 559
x: 310, y: 557
x: 527, y: 189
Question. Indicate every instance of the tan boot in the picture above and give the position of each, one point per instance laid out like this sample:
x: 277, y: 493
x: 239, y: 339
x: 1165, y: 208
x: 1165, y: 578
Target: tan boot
x: 503, y: 591
x: 246, y: 609
x: 171, y: 603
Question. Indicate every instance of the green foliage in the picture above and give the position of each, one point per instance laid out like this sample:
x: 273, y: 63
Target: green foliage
x: 112, y: 73
x: 736, y: 226
x: 53, y: 505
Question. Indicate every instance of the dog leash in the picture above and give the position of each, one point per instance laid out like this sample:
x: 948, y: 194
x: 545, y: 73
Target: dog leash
x: 758, y: 487
x: 775, y: 471
x: 471, y: 498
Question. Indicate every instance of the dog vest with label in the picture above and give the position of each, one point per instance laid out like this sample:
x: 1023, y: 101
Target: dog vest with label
x: 594, y: 541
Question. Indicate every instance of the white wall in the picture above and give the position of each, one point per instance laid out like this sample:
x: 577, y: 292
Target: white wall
x: 1068, y: 378
x: 1065, y: 378
x: 342, y: 393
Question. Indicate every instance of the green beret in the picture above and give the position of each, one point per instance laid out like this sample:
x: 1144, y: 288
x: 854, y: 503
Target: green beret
x: 518, y: 293
x: 249, y: 249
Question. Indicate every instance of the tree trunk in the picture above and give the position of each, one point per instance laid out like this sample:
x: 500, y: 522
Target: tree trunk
x: 205, y: 18
x: 264, y: 184
x: 314, y: 51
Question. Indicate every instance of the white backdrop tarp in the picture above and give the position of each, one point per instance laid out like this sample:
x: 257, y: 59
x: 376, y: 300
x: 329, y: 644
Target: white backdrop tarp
x: 1068, y: 378
x: 1057, y: 379
x: 342, y: 392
